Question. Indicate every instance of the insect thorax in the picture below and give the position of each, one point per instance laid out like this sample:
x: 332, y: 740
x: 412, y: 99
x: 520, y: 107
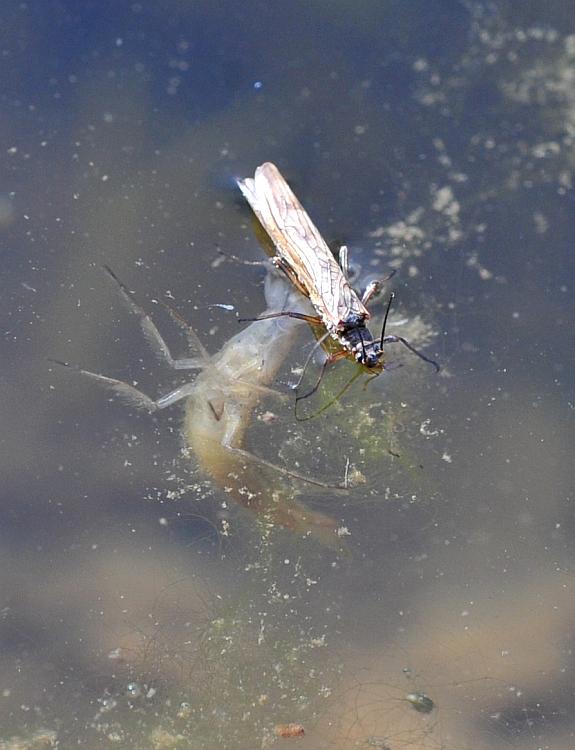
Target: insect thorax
x: 354, y: 320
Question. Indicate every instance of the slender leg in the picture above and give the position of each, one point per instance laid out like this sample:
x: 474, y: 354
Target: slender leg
x: 343, y: 260
x: 326, y: 362
x: 370, y: 290
x: 130, y: 394
x: 400, y: 340
x: 192, y: 336
x: 332, y: 401
x: 298, y: 316
x: 241, y: 261
x: 283, y: 265
x: 374, y: 287
x: 263, y: 389
x: 151, y: 333
x: 251, y: 458
x: 316, y: 346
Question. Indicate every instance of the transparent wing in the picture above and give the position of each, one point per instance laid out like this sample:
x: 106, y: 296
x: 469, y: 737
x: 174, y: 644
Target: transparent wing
x: 300, y: 244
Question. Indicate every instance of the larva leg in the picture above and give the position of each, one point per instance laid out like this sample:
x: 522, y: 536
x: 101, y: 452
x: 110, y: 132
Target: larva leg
x: 154, y: 337
x: 251, y: 458
x: 130, y: 394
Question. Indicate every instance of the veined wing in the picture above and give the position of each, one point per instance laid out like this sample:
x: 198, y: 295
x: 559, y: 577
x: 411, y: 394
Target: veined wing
x: 299, y: 243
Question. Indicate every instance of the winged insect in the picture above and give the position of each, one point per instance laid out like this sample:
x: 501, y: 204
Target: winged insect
x: 304, y: 256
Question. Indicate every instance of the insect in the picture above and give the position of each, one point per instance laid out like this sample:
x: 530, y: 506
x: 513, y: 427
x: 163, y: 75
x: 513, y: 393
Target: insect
x: 219, y: 406
x: 289, y: 730
x: 303, y: 255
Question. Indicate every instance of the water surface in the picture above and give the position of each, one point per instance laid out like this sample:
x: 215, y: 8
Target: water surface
x: 139, y: 607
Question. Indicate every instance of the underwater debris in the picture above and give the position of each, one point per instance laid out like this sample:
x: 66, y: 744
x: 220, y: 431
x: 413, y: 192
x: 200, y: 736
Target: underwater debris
x: 420, y: 702
x: 289, y: 730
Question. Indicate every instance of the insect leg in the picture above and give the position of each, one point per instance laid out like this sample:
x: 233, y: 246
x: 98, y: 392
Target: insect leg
x: 151, y: 333
x: 400, y: 340
x: 316, y: 346
x: 298, y: 316
x: 370, y: 290
x: 374, y: 286
x: 130, y: 394
x: 193, y: 337
x: 252, y: 458
x: 327, y: 361
x: 241, y: 261
x: 331, y: 402
x: 263, y: 389
x: 343, y: 260
x: 282, y: 265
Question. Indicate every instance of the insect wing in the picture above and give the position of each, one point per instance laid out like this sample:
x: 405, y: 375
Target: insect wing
x: 301, y: 246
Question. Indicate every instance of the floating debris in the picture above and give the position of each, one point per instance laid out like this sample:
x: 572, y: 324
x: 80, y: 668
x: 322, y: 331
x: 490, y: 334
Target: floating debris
x: 289, y: 730
x: 420, y: 702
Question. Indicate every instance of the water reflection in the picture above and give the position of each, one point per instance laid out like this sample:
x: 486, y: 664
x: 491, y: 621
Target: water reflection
x: 440, y: 142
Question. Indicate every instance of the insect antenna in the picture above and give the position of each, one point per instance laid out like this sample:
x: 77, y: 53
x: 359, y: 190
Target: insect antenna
x: 392, y: 339
x: 391, y: 298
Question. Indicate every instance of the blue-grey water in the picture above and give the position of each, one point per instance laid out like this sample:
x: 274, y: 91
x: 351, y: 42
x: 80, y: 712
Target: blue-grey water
x: 140, y: 607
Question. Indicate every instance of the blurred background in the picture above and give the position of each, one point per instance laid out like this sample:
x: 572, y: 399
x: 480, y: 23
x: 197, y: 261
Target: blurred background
x: 138, y: 607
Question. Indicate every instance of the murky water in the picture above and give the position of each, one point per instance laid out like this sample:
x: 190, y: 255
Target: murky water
x: 140, y: 606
